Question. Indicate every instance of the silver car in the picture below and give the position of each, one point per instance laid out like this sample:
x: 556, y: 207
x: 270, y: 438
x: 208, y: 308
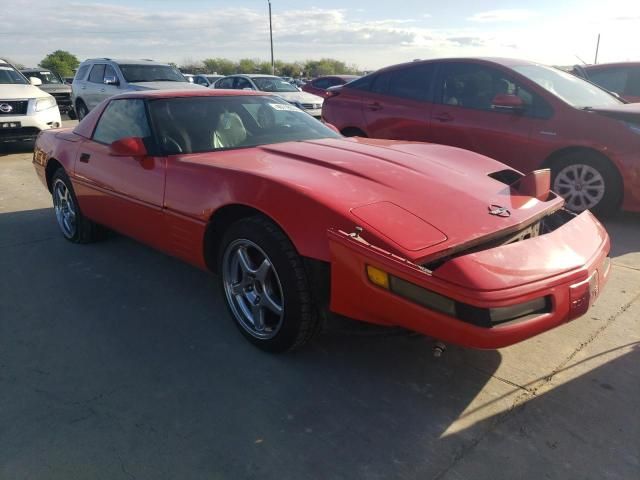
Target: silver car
x: 101, y: 78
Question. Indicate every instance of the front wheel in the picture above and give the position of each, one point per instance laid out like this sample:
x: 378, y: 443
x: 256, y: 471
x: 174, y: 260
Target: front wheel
x: 81, y: 109
x: 587, y: 182
x: 265, y: 286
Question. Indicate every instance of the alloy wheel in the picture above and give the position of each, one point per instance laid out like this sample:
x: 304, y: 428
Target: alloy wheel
x: 582, y: 186
x: 65, y: 208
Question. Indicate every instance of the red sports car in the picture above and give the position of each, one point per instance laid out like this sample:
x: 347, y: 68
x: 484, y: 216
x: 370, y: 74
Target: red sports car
x: 300, y: 222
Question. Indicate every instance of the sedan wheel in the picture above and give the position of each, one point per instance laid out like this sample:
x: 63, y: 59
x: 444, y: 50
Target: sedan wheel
x: 582, y: 186
x: 253, y: 289
x: 65, y: 208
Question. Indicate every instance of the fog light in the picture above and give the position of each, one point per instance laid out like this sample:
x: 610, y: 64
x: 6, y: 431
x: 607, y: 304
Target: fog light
x: 378, y: 277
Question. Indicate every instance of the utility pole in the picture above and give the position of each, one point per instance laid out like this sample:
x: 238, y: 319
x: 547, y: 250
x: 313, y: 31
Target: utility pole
x: 273, y: 65
x: 597, y: 48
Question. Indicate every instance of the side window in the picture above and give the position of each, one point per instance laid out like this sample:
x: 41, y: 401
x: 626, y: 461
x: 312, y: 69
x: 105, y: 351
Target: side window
x: 614, y: 80
x: 121, y: 119
x: 380, y: 82
x: 225, y: 83
x: 242, y: 83
x: 362, y: 83
x: 412, y: 83
x: 633, y: 84
x: 323, y: 83
x: 97, y: 73
x: 200, y: 81
x: 475, y: 86
x: 82, y: 72
x: 110, y: 72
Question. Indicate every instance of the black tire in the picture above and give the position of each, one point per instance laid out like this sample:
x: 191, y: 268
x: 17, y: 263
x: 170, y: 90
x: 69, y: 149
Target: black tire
x: 84, y: 230
x: 610, y: 201
x: 81, y: 109
x: 353, y: 132
x: 72, y: 114
x: 300, y: 320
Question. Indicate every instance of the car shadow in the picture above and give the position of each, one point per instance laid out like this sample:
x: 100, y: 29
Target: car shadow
x: 16, y: 147
x: 624, y: 230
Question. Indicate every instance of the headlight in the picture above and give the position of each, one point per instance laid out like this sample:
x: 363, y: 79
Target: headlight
x: 634, y: 127
x: 45, y: 103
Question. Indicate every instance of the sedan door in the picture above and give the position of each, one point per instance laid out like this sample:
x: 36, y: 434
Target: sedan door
x: 464, y: 114
x: 121, y: 192
x: 398, y: 103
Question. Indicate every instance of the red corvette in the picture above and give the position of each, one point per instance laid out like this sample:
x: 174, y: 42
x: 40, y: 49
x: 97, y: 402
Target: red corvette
x: 300, y: 222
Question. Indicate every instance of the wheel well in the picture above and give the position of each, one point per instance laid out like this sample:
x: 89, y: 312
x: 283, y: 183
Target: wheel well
x: 353, y: 132
x: 218, y: 224
x: 52, y: 166
x: 555, y: 156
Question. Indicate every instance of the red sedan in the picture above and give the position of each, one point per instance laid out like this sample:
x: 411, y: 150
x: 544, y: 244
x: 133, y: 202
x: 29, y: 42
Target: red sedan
x: 526, y: 115
x: 622, y: 78
x: 300, y: 222
x: 319, y: 86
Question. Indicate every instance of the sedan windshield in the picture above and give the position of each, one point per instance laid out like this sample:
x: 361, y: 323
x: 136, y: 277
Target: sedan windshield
x: 10, y: 75
x: 271, y: 84
x: 206, y: 124
x: 151, y: 73
x: 573, y: 90
x: 48, y: 78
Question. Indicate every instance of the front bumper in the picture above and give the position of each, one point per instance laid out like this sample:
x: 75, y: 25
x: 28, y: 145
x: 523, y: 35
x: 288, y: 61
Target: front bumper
x: 567, y: 268
x: 26, y: 127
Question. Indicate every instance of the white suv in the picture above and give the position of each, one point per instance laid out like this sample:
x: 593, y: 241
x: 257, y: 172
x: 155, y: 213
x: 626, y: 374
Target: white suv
x: 25, y: 110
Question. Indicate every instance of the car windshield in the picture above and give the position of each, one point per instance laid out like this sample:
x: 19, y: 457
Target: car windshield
x: 206, y: 124
x: 10, y: 75
x: 573, y: 90
x: 271, y: 84
x: 151, y: 73
x: 48, y: 78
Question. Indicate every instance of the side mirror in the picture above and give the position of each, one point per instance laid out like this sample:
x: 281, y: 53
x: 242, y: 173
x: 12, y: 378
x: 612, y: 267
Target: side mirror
x: 128, y: 147
x: 111, y: 80
x: 35, y: 81
x: 507, y: 102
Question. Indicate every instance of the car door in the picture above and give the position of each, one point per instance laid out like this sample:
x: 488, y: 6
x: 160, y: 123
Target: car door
x: 123, y: 193
x: 110, y: 84
x: 95, y: 83
x: 242, y: 83
x: 464, y: 115
x: 398, y: 104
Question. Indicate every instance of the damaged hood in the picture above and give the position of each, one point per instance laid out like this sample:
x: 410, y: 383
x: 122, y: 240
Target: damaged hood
x: 419, y: 199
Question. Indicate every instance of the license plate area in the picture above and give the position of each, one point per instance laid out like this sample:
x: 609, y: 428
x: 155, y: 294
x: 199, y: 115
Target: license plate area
x: 8, y: 125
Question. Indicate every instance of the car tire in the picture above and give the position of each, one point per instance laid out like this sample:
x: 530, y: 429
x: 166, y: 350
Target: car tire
x: 74, y: 226
x: 573, y: 174
x: 265, y: 286
x: 81, y: 110
x: 72, y: 114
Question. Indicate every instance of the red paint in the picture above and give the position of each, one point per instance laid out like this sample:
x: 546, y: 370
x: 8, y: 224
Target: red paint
x: 417, y: 201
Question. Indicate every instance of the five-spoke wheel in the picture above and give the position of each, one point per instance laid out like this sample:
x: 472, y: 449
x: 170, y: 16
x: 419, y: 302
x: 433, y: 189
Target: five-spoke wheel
x: 64, y: 207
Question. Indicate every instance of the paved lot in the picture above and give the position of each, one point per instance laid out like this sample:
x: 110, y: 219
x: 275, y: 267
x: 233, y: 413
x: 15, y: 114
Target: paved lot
x: 117, y: 362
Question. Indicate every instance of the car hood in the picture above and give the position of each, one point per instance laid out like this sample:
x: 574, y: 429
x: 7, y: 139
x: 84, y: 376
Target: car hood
x: 164, y: 85
x: 629, y: 112
x: 17, y: 91
x: 302, y: 97
x: 52, y: 88
x: 422, y: 199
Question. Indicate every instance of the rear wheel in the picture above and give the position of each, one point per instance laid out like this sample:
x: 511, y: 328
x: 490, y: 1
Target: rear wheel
x: 265, y: 286
x: 81, y: 109
x: 587, y: 182
x: 74, y: 226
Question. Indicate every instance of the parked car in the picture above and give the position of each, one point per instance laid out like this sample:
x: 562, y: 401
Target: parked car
x: 101, y: 78
x: 312, y: 104
x: 300, y: 222
x: 319, y: 86
x: 206, y: 80
x: 526, y: 115
x: 189, y: 77
x: 25, y: 110
x: 621, y: 78
x: 54, y: 85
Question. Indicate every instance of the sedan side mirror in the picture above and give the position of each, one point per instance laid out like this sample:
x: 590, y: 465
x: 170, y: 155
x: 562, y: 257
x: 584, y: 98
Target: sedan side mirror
x: 111, y: 80
x: 507, y: 102
x: 35, y: 81
x: 128, y: 147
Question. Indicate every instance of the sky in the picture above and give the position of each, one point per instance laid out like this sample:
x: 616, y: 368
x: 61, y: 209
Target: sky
x: 369, y: 34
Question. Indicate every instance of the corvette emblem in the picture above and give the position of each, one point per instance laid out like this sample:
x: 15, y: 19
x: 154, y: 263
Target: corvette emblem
x: 499, y: 211
x: 5, y: 108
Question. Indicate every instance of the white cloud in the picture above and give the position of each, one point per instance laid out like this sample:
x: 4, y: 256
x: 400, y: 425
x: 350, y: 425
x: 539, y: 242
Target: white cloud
x: 506, y: 15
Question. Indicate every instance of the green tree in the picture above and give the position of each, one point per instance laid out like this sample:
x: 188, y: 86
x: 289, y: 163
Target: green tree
x: 61, y: 62
x: 248, y: 65
x: 221, y: 66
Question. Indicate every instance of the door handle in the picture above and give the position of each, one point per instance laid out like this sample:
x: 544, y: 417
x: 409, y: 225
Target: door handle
x: 443, y: 117
x: 375, y: 106
x: 84, y: 157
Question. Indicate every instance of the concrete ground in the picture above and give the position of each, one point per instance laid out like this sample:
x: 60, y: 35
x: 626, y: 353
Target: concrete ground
x: 118, y: 362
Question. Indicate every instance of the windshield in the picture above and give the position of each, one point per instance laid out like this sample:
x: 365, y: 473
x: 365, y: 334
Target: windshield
x: 10, y: 75
x: 206, y: 124
x: 271, y: 84
x: 48, y: 78
x: 151, y: 73
x: 573, y: 90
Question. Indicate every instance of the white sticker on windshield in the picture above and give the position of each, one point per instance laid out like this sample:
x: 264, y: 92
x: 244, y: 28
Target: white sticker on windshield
x: 283, y: 107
